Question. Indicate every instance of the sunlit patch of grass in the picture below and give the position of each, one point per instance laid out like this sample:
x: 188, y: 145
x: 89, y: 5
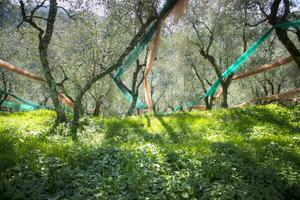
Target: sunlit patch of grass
x: 249, y: 153
x: 34, y: 122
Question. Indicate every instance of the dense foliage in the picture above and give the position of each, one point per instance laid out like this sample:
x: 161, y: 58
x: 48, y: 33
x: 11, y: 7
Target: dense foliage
x: 250, y: 153
x: 91, y: 35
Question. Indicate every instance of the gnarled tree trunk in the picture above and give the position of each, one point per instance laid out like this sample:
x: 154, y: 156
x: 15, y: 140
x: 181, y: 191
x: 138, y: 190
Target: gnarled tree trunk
x: 45, y: 37
x: 274, y: 19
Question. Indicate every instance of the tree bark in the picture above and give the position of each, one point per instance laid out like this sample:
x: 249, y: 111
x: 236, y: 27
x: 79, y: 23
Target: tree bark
x: 6, y: 86
x: 225, y: 98
x: 274, y: 19
x: 135, y: 87
x: 44, y: 42
x: 132, y: 105
x: 97, y: 109
x: 225, y: 86
x: 61, y: 117
x: 289, y: 45
x: 104, y: 73
x: 45, y: 37
x: 208, y: 100
x: 76, y: 117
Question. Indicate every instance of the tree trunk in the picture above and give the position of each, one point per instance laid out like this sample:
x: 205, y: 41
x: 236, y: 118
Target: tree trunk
x: 289, y: 45
x: 3, y: 97
x: 45, y: 37
x: 76, y: 117
x: 225, y: 86
x: 97, y: 109
x: 60, y: 114
x: 274, y: 20
x: 43, y: 50
x: 208, y: 102
x: 107, y: 71
x: 225, y: 98
x: 132, y: 105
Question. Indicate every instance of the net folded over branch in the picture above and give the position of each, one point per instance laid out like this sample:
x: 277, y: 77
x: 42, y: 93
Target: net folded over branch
x: 23, y: 72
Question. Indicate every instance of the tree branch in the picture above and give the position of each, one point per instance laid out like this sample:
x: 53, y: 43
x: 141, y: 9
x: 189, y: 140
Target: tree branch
x: 258, y: 23
x: 28, y: 19
x: 36, y: 8
x: 118, y: 63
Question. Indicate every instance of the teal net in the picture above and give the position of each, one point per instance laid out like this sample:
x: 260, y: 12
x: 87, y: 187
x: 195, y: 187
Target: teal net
x: 237, y: 64
x: 135, y: 53
x: 25, y: 106
x: 24, y: 101
x: 19, y: 107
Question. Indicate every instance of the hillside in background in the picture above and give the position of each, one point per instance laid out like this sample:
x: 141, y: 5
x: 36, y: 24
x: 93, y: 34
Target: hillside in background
x: 249, y: 153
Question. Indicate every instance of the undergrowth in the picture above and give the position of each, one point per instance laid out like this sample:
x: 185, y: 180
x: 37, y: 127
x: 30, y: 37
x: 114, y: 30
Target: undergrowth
x: 249, y: 153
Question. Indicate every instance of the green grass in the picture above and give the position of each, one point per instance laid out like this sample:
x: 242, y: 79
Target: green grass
x: 250, y: 153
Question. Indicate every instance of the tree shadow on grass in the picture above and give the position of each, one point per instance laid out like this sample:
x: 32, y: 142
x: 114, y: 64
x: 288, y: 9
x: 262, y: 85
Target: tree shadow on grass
x: 178, y: 127
x: 279, y: 150
x: 265, y: 115
x: 114, y: 127
x: 242, y: 121
x: 102, y: 173
x: 127, y: 130
x: 7, y: 150
x: 169, y: 130
x: 238, y: 175
x: 8, y: 156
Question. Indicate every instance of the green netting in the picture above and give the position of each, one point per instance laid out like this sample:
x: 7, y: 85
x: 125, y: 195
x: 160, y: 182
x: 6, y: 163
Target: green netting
x: 139, y: 104
x: 237, y: 64
x: 20, y: 107
x: 27, y: 105
x: 24, y: 101
x: 134, y: 54
x: 286, y: 25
